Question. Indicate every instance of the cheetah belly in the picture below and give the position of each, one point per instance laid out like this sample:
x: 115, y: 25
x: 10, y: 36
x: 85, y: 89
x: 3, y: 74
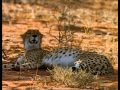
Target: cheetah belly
x: 66, y: 59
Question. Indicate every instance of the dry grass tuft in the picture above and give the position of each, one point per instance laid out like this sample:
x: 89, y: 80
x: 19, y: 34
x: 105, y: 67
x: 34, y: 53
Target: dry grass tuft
x: 71, y: 79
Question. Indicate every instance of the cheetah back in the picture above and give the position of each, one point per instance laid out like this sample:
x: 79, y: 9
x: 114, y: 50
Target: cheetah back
x: 95, y: 63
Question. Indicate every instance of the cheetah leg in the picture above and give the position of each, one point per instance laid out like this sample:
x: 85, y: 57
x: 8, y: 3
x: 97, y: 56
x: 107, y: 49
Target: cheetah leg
x: 13, y: 65
x: 7, y: 66
x: 27, y: 66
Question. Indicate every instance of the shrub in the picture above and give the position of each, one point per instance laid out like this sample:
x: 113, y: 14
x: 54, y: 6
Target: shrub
x: 70, y: 78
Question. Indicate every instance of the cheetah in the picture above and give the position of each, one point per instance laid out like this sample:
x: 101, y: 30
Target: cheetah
x: 79, y: 60
x: 33, y: 55
x: 74, y: 58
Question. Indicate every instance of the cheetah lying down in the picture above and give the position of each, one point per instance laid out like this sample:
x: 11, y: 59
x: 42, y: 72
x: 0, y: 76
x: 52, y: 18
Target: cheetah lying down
x: 36, y: 57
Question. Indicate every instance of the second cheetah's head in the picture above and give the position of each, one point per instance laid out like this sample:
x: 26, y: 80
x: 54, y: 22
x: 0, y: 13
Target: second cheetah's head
x: 32, y: 39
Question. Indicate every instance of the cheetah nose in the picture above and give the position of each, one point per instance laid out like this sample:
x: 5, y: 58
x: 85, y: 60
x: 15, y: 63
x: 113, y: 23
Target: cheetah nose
x: 34, y: 35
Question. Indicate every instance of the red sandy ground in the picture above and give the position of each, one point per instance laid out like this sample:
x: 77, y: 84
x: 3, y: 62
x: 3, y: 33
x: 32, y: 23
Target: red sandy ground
x: 12, y: 80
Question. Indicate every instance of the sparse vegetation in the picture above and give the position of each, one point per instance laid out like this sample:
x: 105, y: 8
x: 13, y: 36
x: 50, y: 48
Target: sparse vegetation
x: 70, y: 78
x: 65, y: 20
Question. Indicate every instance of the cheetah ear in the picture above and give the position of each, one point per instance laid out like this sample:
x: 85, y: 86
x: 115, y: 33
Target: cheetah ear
x: 42, y: 35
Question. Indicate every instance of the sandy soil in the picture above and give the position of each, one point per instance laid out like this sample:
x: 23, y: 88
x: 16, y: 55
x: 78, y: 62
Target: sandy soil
x: 25, y: 80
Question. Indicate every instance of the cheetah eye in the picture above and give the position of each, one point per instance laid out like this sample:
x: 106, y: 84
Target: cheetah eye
x: 34, y: 35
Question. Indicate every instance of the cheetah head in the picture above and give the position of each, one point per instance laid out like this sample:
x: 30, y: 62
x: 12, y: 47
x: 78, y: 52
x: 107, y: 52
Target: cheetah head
x: 32, y: 39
